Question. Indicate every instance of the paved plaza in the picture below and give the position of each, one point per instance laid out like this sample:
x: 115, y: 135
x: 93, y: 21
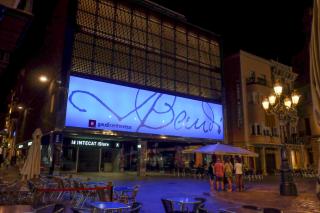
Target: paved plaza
x: 155, y: 187
x: 261, y: 194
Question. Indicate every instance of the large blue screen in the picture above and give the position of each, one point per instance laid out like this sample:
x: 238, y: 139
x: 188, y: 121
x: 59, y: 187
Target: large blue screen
x: 106, y: 106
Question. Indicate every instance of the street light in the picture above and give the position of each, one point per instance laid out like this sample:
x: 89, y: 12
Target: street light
x: 284, y: 107
x: 43, y: 78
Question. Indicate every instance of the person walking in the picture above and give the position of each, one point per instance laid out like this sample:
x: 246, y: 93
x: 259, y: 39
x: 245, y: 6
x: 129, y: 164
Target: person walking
x: 228, y: 168
x: 239, y: 174
x: 211, y: 175
x: 219, y: 172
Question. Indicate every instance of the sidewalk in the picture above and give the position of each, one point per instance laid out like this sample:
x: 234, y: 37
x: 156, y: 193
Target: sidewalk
x: 266, y: 194
x: 10, y: 174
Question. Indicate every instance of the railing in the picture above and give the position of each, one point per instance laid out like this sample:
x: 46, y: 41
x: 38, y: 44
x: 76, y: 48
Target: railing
x: 294, y: 140
x: 257, y: 80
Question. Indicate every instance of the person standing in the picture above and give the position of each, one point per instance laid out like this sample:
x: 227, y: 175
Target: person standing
x: 219, y: 172
x: 239, y: 174
x: 228, y: 168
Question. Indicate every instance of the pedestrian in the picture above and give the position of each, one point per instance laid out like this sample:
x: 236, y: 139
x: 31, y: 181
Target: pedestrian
x: 211, y: 175
x: 219, y: 172
x: 239, y: 174
x: 228, y: 168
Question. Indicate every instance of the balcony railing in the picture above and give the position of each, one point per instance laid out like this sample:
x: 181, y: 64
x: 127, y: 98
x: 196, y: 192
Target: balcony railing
x: 257, y: 80
x: 294, y: 140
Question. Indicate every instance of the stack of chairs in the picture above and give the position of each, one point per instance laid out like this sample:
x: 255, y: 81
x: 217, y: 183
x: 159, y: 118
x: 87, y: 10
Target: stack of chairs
x: 252, y: 176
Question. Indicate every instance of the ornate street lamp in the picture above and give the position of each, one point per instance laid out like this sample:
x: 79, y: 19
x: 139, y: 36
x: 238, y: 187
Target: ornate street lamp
x: 284, y: 107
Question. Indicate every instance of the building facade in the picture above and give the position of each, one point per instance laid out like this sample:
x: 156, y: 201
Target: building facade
x: 250, y: 79
x: 15, y: 19
x: 309, y: 131
x: 118, y: 54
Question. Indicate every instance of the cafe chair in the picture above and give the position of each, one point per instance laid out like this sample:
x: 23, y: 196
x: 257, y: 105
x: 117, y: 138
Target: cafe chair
x: 168, y: 206
x: 136, y: 207
x: 129, y: 197
x: 201, y: 199
x: 202, y: 209
x: 198, y: 205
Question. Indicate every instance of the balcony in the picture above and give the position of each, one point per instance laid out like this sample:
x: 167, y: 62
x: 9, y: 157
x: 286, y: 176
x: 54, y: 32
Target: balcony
x: 293, y: 140
x: 257, y: 80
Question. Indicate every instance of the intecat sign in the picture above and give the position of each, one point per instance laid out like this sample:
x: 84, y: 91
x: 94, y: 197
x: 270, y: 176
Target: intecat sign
x: 89, y: 143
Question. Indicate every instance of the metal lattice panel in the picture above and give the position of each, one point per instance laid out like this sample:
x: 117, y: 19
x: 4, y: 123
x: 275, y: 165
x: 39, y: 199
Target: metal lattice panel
x: 117, y: 41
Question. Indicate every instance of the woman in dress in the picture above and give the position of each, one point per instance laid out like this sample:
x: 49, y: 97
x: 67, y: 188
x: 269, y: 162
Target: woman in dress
x: 228, y: 168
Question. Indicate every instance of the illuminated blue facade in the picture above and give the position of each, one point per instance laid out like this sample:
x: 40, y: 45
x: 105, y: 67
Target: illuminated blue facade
x: 106, y: 106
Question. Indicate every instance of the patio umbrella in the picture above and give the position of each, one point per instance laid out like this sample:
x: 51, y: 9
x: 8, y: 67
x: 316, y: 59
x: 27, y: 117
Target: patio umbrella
x: 31, y: 167
x: 222, y: 149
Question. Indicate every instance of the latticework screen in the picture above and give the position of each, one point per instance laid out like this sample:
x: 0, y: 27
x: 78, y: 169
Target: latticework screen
x: 130, y: 44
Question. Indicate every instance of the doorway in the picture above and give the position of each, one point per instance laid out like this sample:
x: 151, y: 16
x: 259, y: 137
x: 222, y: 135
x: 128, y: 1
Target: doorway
x: 88, y: 160
x: 270, y: 163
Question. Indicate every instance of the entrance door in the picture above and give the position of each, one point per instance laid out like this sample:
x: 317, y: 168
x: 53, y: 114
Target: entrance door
x: 270, y: 162
x: 88, y: 160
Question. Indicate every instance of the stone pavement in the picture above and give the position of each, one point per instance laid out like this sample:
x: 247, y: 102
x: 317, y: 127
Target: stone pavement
x: 155, y: 187
x: 266, y: 194
x: 262, y: 194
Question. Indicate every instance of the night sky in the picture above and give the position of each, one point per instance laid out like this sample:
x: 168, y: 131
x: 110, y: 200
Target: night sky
x: 269, y: 28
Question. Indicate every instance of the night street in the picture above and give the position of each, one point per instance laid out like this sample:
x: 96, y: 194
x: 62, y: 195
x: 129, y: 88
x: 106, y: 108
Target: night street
x: 128, y: 106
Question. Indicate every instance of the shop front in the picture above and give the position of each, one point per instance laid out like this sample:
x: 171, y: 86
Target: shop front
x: 134, y: 129
x: 87, y: 155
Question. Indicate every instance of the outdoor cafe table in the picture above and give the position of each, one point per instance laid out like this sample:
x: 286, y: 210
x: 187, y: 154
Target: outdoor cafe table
x: 109, y: 205
x: 183, y: 200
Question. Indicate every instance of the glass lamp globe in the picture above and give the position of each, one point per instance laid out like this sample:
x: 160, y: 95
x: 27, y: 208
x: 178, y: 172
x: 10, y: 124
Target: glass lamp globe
x: 295, y: 98
x: 277, y: 88
x: 265, y: 104
x: 287, y: 102
x: 272, y: 99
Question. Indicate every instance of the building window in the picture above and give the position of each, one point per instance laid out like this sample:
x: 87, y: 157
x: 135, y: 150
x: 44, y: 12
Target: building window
x: 274, y: 132
x: 258, y: 130
x: 252, y: 74
x: 253, y: 129
x: 310, y: 156
x: 264, y: 132
x: 261, y: 79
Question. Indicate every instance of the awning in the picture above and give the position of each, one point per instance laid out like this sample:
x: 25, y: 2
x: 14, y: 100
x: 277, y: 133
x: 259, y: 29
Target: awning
x: 222, y: 149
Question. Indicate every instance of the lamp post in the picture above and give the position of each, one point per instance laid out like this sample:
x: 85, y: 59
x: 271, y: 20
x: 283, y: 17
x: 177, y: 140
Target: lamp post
x: 284, y: 107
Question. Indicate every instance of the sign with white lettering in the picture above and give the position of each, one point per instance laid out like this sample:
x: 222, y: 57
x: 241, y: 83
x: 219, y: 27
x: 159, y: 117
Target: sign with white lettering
x: 89, y: 143
x: 106, y: 106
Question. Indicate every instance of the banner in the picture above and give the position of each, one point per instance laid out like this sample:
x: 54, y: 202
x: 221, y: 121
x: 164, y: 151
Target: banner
x: 110, y: 107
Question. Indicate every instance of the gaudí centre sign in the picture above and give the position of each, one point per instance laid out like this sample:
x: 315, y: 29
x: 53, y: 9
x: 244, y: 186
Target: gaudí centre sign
x: 107, y: 106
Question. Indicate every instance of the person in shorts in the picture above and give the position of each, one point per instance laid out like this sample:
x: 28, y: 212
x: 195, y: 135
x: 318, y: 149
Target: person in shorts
x: 219, y: 172
x: 239, y: 174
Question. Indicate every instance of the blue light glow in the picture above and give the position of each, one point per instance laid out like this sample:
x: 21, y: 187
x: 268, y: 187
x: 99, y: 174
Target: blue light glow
x: 100, y: 105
